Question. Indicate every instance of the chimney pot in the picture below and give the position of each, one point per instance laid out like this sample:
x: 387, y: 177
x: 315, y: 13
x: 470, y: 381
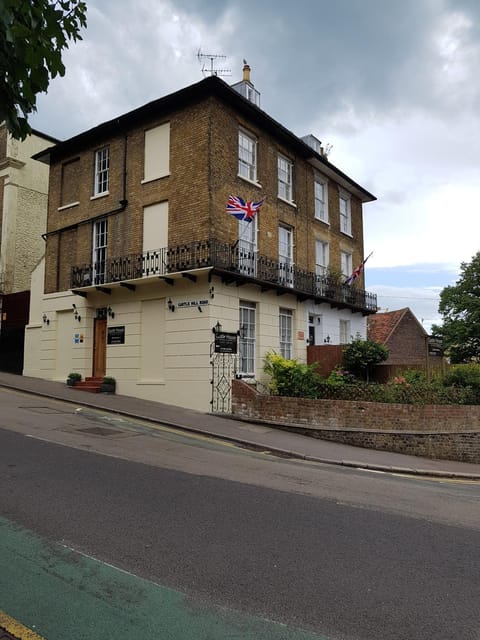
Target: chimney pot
x: 246, y: 72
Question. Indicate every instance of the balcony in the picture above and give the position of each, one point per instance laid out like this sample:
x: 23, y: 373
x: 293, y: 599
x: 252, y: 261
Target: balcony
x: 233, y: 265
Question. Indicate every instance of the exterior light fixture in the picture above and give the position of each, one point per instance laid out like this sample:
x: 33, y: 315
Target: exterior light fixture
x: 45, y: 319
x: 217, y: 328
x: 111, y: 313
x: 170, y: 305
x: 327, y: 340
x: 77, y: 316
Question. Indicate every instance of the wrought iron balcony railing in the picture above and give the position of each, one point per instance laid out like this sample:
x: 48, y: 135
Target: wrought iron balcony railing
x: 230, y: 261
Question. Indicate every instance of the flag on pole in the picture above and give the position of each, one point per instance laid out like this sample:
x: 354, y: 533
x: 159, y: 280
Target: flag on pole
x: 357, y: 272
x: 242, y: 210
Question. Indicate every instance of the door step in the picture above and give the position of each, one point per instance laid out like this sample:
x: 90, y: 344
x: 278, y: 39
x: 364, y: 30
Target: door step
x: 91, y: 385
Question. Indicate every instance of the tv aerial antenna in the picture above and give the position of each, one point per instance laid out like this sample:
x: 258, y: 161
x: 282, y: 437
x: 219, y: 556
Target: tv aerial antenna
x: 212, y: 71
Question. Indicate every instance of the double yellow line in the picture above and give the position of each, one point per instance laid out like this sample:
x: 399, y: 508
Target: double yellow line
x: 16, y: 629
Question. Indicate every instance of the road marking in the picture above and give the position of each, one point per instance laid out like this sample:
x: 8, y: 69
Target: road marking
x: 16, y: 628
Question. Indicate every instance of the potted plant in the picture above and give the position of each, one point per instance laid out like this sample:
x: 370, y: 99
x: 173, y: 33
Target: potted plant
x: 108, y: 385
x: 334, y: 281
x: 73, y: 377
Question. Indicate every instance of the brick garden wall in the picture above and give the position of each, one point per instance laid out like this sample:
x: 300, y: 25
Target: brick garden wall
x: 450, y: 432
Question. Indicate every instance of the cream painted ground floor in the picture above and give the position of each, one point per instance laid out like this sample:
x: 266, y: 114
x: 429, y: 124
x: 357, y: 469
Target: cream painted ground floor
x: 155, y: 337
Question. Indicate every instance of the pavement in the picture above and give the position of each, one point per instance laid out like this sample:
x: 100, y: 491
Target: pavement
x: 263, y: 437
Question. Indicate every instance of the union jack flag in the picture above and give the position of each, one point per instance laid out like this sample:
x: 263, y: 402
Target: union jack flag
x: 243, y: 210
x: 356, y: 273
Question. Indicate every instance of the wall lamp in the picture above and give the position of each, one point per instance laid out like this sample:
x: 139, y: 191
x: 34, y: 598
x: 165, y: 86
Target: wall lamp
x: 111, y: 313
x: 217, y: 328
x: 171, y: 306
x: 76, y: 315
x: 211, y: 291
x: 45, y: 319
x: 327, y: 340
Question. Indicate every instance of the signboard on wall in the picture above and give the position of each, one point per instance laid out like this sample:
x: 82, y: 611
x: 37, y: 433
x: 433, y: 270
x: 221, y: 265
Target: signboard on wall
x: 226, y: 342
x: 116, y: 335
x: 435, y: 346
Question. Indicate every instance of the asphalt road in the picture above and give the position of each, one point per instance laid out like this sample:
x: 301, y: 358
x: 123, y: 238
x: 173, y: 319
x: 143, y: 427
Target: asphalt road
x: 329, y: 564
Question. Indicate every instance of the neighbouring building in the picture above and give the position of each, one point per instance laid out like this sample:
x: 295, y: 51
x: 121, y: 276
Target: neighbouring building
x: 406, y: 340
x: 23, y: 219
x: 146, y: 273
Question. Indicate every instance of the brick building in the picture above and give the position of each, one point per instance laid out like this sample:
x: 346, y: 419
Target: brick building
x: 407, y: 343
x: 142, y: 260
x: 23, y: 219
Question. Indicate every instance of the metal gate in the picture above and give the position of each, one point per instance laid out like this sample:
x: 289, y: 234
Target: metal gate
x: 224, y: 368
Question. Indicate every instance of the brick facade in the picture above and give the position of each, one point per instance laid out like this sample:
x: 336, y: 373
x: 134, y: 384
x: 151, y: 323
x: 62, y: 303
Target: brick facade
x: 203, y: 173
x: 435, y: 431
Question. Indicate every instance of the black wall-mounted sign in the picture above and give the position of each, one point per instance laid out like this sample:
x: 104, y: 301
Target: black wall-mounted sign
x: 226, y: 342
x: 116, y: 335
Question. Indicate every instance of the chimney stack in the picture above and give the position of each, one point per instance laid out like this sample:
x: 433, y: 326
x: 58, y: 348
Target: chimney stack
x: 246, y: 71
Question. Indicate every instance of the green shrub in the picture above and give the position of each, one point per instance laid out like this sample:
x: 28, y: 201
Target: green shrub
x: 291, y: 378
x: 361, y: 355
x: 463, y: 375
x: 414, y: 376
x: 74, y: 376
x: 340, y: 376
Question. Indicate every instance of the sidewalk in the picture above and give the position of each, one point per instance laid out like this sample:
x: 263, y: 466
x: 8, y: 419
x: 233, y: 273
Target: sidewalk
x: 259, y: 436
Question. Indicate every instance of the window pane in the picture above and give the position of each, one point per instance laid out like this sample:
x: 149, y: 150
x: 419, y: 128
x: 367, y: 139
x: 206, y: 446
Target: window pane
x: 102, y: 163
x: 247, y: 338
x: 285, y: 328
x: 247, y: 151
x: 321, y: 212
x: 284, y: 178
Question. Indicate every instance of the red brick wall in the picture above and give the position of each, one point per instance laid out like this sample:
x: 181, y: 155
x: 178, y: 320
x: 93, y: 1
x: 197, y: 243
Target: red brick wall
x: 435, y: 431
x: 408, y: 343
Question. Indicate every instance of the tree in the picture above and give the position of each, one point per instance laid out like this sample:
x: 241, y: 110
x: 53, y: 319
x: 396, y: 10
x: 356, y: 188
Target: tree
x: 460, y: 308
x: 33, y: 34
x: 361, y: 355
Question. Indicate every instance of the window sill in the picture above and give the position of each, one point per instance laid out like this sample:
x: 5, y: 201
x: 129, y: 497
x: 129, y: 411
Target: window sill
x: 100, y: 195
x: 346, y: 233
x: 68, y: 206
x: 327, y: 221
x: 290, y: 202
x: 254, y: 182
x: 145, y: 180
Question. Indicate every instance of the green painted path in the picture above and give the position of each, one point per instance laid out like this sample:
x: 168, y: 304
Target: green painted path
x: 62, y: 594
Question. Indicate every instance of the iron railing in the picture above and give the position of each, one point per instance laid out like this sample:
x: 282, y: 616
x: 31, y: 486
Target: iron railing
x: 229, y: 260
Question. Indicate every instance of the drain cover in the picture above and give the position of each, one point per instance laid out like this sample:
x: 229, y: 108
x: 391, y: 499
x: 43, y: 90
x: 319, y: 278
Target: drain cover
x: 44, y: 410
x: 100, y: 431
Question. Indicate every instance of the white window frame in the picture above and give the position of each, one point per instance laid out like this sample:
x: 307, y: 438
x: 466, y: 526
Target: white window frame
x: 345, y: 207
x: 322, y: 257
x: 247, y: 341
x: 321, y: 199
x: 285, y: 255
x: 285, y: 326
x: 247, y: 156
x: 285, y: 178
x: 346, y: 263
x: 99, y: 251
x: 102, y: 170
x: 344, y: 331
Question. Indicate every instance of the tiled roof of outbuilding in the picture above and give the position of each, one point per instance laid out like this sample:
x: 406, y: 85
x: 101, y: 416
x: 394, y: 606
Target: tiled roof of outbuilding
x: 380, y: 326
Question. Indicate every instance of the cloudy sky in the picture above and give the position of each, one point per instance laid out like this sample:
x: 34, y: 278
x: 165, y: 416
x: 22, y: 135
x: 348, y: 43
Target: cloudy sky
x: 391, y: 85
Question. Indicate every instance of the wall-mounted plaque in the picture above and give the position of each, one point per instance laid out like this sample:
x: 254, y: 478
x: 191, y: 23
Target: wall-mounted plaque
x: 116, y: 335
x: 226, y: 342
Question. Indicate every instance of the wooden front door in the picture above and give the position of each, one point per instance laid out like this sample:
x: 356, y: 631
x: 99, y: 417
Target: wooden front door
x: 100, y: 348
